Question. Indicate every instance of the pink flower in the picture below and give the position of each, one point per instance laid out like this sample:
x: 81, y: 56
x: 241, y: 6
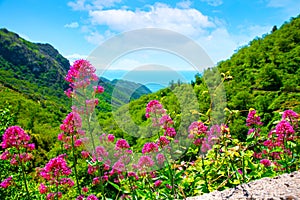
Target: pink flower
x: 268, y: 143
x: 91, y: 197
x: 85, y: 154
x: 80, y: 197
x: 284, y: 127
x: 55, y: 168
x: 170, y: 132
x: 240, y: 171
x: 163, y: 141
x: 53, y: 195
x: 118, y: 167
x: 205, y: 146
x: 5, y: 155
x: 160, y: 159
x: 30, y: 147
x: 67, y: 181
x: 290, y: 114
x: 122, y: 144
x: 165, y: 121
x: 133, y: 174
x: 43, y: 189
x: 98, y: 89
x: 154, y: 107
x: 157, y: 183
x: 149, y: 147
x: 81, y: 72
x: 85, y: 189
x: 197, y: 128
x: 92, y: 169
x: 69, y: 92
x: 198, y: 141
x: 6, y: 183
x: 110, y: 137
x: 105, y: 177
x: 257, y: 155
x: 96, y: 181
x: 71, y: 123
x: 145, y: 162
x: 265, y: 162
x: 15, y: 136
x: 253, y: 118
x: 78, y: 143
x: 101, y: 152
x: 168, y: 186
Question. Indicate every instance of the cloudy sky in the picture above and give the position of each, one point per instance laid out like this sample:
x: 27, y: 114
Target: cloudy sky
x: 77, y: 27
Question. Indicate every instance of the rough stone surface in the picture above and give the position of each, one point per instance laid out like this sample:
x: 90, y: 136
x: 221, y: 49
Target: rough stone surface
x: 282, y: 187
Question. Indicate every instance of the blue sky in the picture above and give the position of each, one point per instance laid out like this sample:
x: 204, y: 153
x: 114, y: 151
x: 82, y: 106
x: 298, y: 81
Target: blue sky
x: 77, y: 27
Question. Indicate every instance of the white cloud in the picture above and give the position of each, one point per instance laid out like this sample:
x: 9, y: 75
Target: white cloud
x: 213, y: 2
x: 184, y: 4
x: 189, y: 21
x: 74, y: 57
x: 72, y: 25
x: 221, y: 44
x: 290, y: 7
x: 95, y: 38
x: 92, y: 4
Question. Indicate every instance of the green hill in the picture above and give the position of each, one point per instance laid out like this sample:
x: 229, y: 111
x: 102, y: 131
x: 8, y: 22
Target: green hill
x: 32, y: 89
x: 265, y: 76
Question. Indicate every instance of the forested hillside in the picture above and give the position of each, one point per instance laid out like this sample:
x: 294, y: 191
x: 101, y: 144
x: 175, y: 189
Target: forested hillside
x: 32, y: 84
x: 265, y: 75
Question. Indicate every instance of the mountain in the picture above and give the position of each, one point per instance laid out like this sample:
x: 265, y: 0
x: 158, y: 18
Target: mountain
x: 119, y: 92
x: 38, y: 70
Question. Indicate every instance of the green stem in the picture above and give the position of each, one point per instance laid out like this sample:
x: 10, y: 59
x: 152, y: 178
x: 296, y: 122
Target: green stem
x: 150, y: 189
x: 133, y: 190
x: 88, y: 122
x: 285, y: 156
x: 101, y: 181
x: 243, y: 166
x: 56, y: 197
x: 205, y: 179
x: 75, y: 163
x: 24, y: 176
x: 171, y: 177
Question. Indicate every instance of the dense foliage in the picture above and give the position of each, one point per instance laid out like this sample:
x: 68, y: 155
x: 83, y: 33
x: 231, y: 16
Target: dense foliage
x: 220, y: 140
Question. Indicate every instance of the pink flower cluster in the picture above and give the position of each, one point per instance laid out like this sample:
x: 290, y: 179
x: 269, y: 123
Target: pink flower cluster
x: 203, y: 137
x: 150, y: 147
x: 198, y: 128
x: 81, y: 73
x: 122, y: 144
x: 290, y: 115
x: 55, y: 168
x: 277, y: 138
x: 6, y: 182
x: 71, y: 128
x: 98, y: 89
x: 253, y: 119
x: 16, y: 138
x: 154, y: 107
x: 55, y: 173
x: 71, y: 123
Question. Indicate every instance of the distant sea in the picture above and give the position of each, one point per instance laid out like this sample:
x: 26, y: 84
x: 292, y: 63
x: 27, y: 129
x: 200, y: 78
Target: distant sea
x: 154, y: 80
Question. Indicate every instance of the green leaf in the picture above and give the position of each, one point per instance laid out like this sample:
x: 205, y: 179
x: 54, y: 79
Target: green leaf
x: 115, y: 185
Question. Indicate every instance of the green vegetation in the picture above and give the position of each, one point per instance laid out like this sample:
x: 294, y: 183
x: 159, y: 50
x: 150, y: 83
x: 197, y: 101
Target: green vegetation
x: 264, y: 75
